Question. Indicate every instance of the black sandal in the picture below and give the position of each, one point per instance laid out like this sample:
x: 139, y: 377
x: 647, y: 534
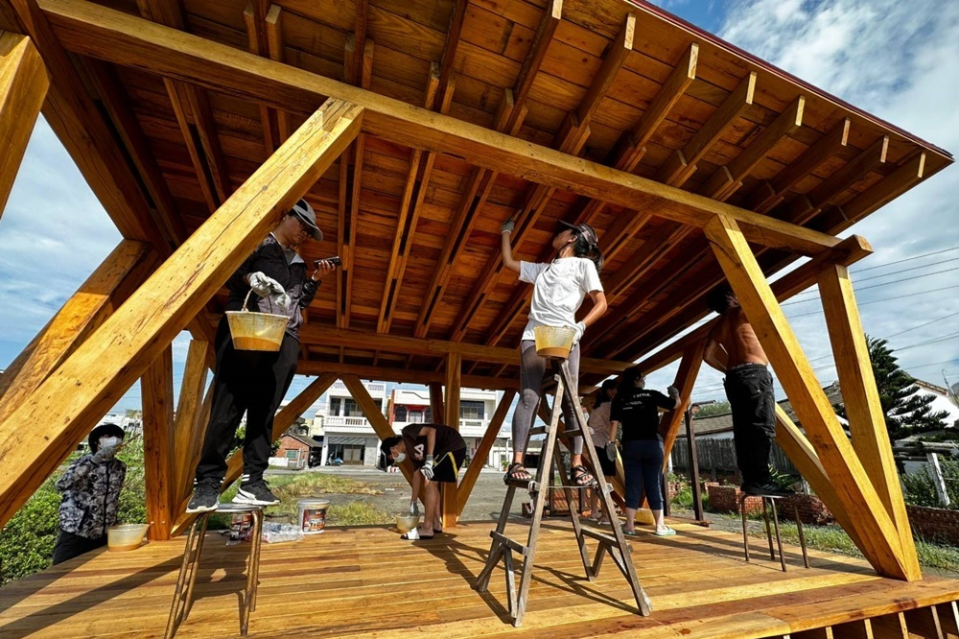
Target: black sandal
x: 515, y: 472
x: 581, y: 477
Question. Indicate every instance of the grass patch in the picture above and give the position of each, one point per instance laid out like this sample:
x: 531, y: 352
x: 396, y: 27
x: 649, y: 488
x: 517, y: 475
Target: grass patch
x: 358, y: 513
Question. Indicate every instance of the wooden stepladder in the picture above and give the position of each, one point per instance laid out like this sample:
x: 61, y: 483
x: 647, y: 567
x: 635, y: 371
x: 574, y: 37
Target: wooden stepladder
x: 613, y: 544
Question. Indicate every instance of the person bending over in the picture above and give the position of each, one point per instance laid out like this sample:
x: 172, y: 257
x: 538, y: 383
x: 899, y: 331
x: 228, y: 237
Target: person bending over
x: 636, y: 409
x: 255, y: 382
x: 599, y: 430
x: 437, y: 453
x: 733, y: 348
x: 558, y: 291
x: 91, y: 491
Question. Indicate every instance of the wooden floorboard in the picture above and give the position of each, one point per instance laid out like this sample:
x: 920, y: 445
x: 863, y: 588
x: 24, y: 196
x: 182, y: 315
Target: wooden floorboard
x: 365, y: 582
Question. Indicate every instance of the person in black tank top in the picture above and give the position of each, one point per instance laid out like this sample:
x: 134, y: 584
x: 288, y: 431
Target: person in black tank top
x: 636, y: 410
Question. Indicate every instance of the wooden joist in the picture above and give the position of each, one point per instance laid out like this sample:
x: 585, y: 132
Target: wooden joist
x: 859, y: 499
x: 681, y: 164
x: 85, y: 386
x: 23, y: 87
x: 109, y: 35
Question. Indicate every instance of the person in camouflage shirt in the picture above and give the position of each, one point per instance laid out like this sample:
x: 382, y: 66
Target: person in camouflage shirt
x: 91, y: 490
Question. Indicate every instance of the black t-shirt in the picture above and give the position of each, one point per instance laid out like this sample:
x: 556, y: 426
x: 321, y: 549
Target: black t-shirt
x: 447, y: 441
x: 638, y: 413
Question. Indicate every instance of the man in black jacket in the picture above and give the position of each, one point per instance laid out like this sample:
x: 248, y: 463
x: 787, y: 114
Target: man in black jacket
x: 255, y: 382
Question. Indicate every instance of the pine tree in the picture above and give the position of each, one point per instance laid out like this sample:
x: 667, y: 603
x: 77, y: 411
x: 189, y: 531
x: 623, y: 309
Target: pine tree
x: 907, y: 412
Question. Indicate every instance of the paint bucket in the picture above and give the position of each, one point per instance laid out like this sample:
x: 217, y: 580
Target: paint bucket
x: 553, y: 341
x: 241, y: 527
x: 312, y: 515
x: 256, y: 331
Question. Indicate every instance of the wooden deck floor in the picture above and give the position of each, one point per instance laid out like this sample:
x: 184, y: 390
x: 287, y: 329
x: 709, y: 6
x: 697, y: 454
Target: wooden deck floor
x: 365, y: 582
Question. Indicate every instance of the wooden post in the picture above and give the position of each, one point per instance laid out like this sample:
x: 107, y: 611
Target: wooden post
x: 156, y: 389
x: 854, y: 490
x: 454, y: 365
x: 188, y: 428
x: 87, y: 309
x: 479, y: 459
x: 685, y: 380
x: 23, y: 87
x: 41, y: 431
x: 436, y: 402
x: 867, y: 421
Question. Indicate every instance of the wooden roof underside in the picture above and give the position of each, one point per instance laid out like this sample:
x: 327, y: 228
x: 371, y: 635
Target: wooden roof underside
x: 604, y: 80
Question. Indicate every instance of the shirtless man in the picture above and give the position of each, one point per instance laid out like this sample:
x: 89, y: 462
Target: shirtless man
x: 734, y: 349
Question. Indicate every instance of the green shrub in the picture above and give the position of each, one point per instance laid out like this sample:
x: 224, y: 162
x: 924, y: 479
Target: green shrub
x: 920, y: 488
x: 26, y: 542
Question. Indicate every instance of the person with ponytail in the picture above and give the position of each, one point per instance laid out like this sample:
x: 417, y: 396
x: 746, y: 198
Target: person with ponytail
x: 558, y: 291
x: 604, y: 439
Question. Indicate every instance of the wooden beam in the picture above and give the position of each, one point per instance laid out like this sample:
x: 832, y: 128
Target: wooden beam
x: 482, y: 451
x: 848, y: 252
x: 672, y: 420
x: 723, y: 183
x: 632, y: 147
x: 768, y: 194
x: 268, y: 119
x: 404, y: 375
x: 23, y: 87
x: 910, y: 173
x: 681, y: 164
x: 867, y: 420
x: 85, y: 386
x: 274, y: 45
x: 857, y: 495
x: 552, y: 16
x: 374, y: 416
x: 156, y: 389
x: 190, y: 424
x: 613, y: 59
x: 123, y: 270
x: 106, y: 34
x: 322, y: 335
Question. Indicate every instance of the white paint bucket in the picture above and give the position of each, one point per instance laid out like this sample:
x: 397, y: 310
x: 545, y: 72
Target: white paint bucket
x: 312, y: 515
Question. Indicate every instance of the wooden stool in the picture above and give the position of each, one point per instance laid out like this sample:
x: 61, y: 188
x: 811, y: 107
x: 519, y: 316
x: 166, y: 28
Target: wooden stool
x: 183, y: 599
x: 771, y: 501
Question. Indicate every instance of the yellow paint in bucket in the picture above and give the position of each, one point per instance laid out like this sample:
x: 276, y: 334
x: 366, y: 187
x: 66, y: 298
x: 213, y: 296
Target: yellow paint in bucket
x: 312, y: 515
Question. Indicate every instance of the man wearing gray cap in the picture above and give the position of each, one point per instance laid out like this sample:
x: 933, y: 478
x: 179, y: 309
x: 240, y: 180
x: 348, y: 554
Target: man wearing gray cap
x: 255, y: 382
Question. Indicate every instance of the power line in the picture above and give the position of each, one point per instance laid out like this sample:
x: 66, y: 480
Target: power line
x: 908, y: 259
x: 906, y: 270
x: 866, y: 288
x: 888, y: 299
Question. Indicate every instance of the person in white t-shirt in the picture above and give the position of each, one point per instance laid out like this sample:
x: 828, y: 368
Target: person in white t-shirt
x: 558, y: 291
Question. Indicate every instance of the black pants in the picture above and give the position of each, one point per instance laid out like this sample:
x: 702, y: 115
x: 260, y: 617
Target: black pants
x: 254, y: 382
x: 70, y: 545
x: 749, y: 389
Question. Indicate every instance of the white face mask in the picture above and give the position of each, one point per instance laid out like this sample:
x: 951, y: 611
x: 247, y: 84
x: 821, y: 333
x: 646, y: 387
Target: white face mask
x: 109, y: 442
x: 400, y: 458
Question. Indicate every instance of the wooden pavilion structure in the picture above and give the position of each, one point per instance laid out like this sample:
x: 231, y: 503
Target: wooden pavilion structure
x: 415, y: 128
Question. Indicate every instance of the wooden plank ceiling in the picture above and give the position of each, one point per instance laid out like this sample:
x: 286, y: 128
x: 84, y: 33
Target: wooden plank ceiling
x: 615, y: 83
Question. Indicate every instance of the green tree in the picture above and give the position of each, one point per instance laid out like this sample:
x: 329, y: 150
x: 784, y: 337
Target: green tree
x: 709, y: 410
x: 907, y: 412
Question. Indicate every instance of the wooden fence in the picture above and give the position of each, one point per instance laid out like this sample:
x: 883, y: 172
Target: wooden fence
x: 719, y: 456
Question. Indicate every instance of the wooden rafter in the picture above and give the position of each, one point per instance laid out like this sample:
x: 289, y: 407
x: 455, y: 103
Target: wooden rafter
x: 84, y: 387
x: 482, y: 451
x: 857, y: 494
x: 127, y: 266
x: 867, y: 420
x: 768, y: 194
x: 110, y: 35
x: 681, y: 164
x: 156, y: 389
x: 450, y: 45
x: 727, y: 179
x: 274, y: 45
x: 255, y: 30
x: 23, y: 88
x: 552, y: 15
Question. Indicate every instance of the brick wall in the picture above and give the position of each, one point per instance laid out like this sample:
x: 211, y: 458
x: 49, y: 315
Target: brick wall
x: 935, y: 524
x: 811, y: 510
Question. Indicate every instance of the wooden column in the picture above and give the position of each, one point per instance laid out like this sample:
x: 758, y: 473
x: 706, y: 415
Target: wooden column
x: 125, y: 268
x: 156, y: 390
x: 479, y: 459
x: 867, y: 421
x: 685, y: 379
x: 855, y: 492
x: 454, y: 365
x: 41, y: 431
x: 23, y: 87
x: 436, y: 402
x: 192, y: 414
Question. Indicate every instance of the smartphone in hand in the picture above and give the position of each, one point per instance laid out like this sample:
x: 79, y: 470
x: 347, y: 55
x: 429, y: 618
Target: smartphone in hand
x: 335, y: 261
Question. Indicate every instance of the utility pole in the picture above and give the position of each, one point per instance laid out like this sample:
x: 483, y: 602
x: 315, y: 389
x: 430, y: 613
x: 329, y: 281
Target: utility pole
x: 693, y: 469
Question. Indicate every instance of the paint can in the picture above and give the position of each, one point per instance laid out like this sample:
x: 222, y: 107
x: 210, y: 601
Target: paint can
x: 312, y: 515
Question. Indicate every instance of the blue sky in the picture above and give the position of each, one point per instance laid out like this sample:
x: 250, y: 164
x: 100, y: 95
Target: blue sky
x: 890, y: 58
